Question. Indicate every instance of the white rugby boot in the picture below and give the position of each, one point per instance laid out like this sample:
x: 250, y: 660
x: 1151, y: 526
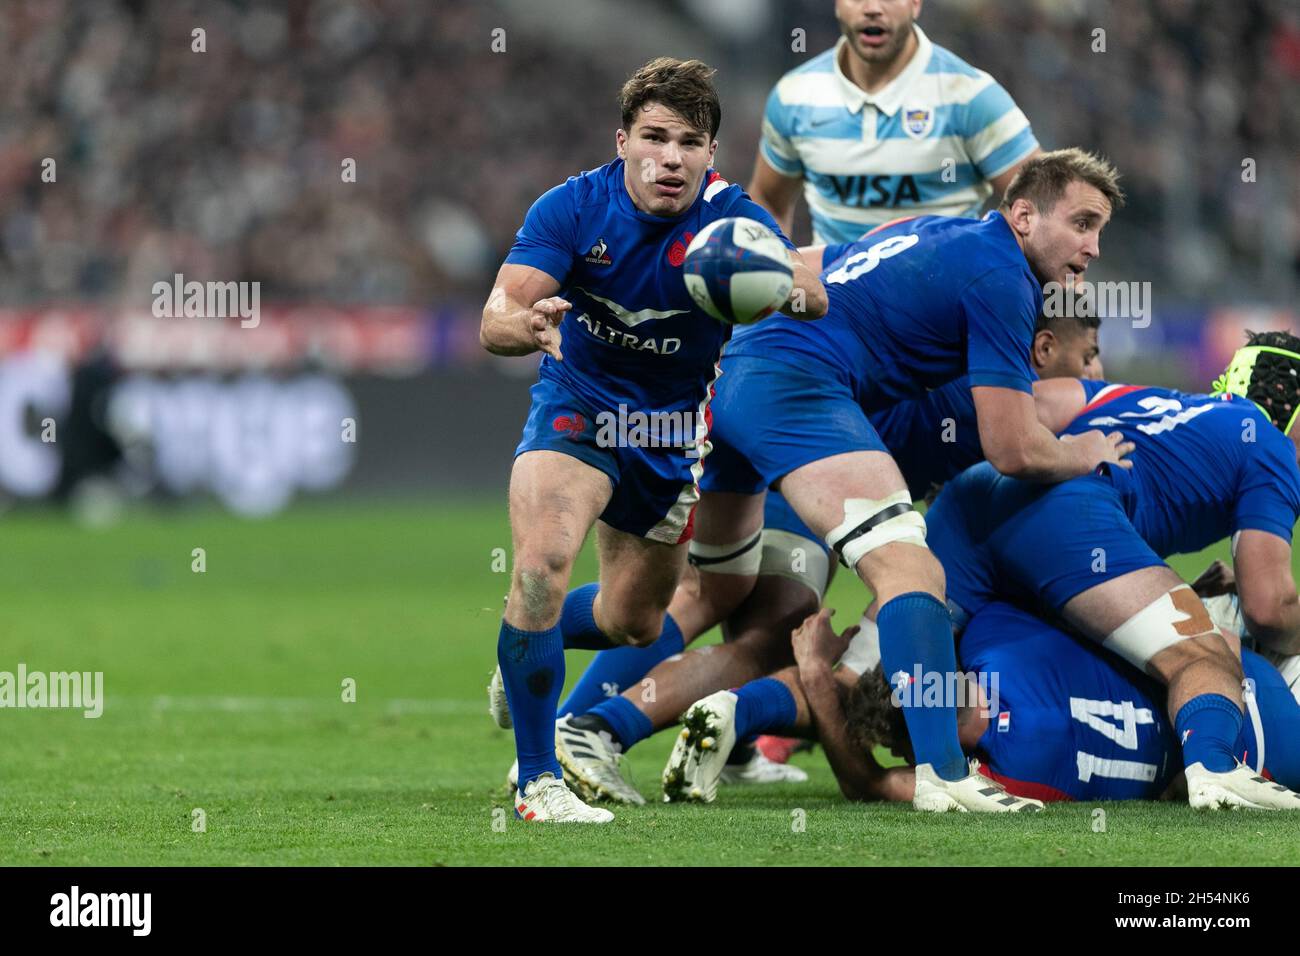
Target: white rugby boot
x: 701, y: 750
x: 973, y: 793
x: 547, y: 800
x: 761, y: 770
x: 1239, y: 787
x: 498, y: 706
x: 592, y: 764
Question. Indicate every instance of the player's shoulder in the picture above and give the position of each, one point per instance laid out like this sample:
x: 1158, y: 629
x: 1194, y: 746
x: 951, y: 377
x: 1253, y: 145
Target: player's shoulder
x: 589, y: 187
x: 943, y: 60
x: 809, y: 84
x: 722, y: 198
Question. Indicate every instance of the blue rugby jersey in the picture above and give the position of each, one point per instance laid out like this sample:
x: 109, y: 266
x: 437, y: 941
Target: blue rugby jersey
x: 634, y: 336
x: 1073, y: 722
x: 1204, y: 466
x: 912, y: 306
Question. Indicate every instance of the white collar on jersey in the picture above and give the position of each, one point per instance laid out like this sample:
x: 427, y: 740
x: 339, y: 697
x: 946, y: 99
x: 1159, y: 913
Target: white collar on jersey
x: 890, y: 99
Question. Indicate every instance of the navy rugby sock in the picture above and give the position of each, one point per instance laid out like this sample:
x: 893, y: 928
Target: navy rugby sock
x: 627, y: 725
x: 915, y: 631
x: 578, y: 621
x: 1208, y: 725
x: 532, y: 667
x: 613, y: 671
x: 763, y: 706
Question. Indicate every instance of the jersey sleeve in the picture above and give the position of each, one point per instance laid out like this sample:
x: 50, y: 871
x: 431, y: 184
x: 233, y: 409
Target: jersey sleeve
x: 833, y: 252
x: 1268, y: 498
x: 1000, y: 314
x: 996, y: 133
x: 777, y: 147
x: 545, y: 241
x: 1091, y: 386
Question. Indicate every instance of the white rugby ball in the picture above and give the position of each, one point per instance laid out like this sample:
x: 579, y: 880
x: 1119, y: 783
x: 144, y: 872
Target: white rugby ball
x: 738, y: 271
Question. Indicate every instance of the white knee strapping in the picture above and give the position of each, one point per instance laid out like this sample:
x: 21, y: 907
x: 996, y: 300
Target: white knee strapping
x: 795, y: 557
x: 863, y: 653
x: 743, y: 557
x: 1174, y: 616
x: 870, y: 524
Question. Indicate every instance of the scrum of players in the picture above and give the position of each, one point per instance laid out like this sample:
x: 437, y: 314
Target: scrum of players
x: 1024, y: 641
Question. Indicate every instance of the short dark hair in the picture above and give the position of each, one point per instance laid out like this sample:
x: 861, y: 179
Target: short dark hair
x: 1080, y: 316
x: 1044, y: 179
x: 871, y: 717
x: 1275, y: 379
x: 684, y: 86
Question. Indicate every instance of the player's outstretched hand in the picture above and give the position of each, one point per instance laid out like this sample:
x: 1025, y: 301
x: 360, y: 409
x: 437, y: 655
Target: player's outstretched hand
x: 544, y: 320
x: 816, y: 643
x: 1101, y: 447
x: 1215, y: 580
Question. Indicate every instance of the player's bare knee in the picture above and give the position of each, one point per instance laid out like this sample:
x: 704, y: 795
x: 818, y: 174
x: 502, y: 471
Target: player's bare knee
x: 884, y: 540
x: 901, y: 567
x: 1200, y: 650
x: 636, y: 627
x: 540, y: 588
x: 1169, y: 635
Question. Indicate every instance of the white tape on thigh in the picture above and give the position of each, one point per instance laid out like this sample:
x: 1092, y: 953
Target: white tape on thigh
x: 863, y: 653
x: 743, y: 557
x: 870, y: 524
x: 1161, y: 624
x: 795, y: 557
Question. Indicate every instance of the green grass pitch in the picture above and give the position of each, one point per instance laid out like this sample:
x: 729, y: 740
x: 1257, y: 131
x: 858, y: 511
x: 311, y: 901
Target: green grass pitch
x: 224, y: 694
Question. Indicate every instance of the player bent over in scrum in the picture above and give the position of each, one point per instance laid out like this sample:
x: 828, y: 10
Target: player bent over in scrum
x: 603, y: 245
x: 1045, y: 715
x: 932, y: 438
x: 1090, y: 550
x: 916, y: 305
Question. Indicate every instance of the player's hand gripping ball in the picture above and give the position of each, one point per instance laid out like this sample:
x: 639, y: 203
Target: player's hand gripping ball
x: 738, y: 271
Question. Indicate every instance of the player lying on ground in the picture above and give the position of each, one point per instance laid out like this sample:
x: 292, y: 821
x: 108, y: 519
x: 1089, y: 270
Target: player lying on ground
x: 933, y: 438
x: 1090, y: 551
x: 1045, y: 715
x: 912, y: 307
x: 608, y: 244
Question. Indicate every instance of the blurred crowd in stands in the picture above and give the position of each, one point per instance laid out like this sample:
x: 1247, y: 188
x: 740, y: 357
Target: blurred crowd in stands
x: 232, y: 162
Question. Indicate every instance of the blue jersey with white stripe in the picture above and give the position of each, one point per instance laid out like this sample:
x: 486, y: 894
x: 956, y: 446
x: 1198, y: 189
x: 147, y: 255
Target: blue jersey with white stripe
x: 926, y: 144
x: 1069, y: 720
x: 1074, y: 722
x: 634, y: 335
x: 1204, y: 466
x: 912, y: 306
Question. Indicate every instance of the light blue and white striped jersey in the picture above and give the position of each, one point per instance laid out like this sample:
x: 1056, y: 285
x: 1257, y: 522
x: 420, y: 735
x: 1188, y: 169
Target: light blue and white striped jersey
x: 926, y: 144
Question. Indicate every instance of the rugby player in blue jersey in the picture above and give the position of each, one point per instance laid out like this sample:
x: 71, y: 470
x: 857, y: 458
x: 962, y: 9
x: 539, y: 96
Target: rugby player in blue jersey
x: 932, y: 438
x: 1090, y: 551
x: 912, y: 307
x: 1046, y: 715
x: 609, y: 245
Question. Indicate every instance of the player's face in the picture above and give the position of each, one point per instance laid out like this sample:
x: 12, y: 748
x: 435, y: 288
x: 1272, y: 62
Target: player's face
x: 666, y: 159
x: 1060, y: 243
x: 1067, y: 353
x: 877, y: 30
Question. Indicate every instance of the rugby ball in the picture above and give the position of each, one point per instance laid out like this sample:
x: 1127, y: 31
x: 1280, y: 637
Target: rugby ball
x: 738, y: 271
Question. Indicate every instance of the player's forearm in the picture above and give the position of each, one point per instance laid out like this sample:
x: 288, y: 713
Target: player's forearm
x: 858, y: 775
x: 1040, y: 456
x: 808, y: 295
x: 506, y: 328
x: 1280, y: 629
